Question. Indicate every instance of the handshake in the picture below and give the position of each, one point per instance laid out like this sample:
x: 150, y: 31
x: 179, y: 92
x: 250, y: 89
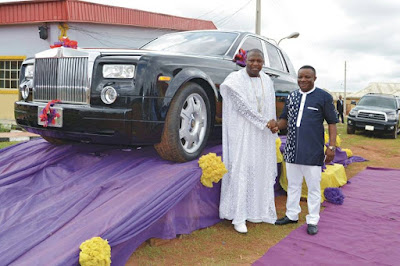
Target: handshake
x: 273, y: 126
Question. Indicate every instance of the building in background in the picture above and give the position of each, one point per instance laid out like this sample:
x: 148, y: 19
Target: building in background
x: 32, y: 26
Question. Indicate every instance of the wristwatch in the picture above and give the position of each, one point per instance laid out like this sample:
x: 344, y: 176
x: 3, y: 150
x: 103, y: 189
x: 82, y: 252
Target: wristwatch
x: 332, y: 148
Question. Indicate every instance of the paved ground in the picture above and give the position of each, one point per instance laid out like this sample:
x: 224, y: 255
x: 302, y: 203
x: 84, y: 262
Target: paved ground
x: 17, y: 135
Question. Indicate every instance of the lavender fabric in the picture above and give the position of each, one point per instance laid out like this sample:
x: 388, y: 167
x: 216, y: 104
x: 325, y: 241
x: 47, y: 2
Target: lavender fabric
x: 55, y: 197
x: 283, y: 143
x: 362, y: 231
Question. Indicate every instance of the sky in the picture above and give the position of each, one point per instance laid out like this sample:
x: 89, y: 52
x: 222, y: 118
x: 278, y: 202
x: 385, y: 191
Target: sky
x: 363, y: 33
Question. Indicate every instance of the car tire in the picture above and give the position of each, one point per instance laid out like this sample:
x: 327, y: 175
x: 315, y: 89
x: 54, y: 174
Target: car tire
x: 351, y: 129
x: 395, y: 133
x: 187, y: 125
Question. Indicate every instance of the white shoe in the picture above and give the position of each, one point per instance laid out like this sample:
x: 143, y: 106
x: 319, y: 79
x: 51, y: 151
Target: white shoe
x: 256, y: 221
x: 241, y: 228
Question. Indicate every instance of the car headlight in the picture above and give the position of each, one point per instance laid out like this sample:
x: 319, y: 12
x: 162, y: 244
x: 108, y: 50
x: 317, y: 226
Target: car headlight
x: 391, y: 116
x: 29, y: 69
x: 353, y: 112
x: 108, y: 95
x: 118, y: 71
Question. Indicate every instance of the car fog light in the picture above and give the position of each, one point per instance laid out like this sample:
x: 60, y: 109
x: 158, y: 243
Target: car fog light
x: 391, y: 127
x: 350, y: 122
x: 108, y: 95
x: 25, y: 92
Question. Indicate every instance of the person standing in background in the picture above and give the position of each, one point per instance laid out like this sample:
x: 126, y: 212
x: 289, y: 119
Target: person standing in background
x: 339, y: 108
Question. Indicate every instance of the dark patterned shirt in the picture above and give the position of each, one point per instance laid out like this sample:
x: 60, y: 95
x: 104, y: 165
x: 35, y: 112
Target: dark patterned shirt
x: 305, y: 113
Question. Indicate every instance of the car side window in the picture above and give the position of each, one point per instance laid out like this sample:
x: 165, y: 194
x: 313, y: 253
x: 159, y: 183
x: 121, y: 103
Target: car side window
x: 275, y: 58
x: 255, y: 43
x: 251, y: 43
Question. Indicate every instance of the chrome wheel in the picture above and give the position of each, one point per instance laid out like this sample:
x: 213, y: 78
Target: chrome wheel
x: 193, y: 121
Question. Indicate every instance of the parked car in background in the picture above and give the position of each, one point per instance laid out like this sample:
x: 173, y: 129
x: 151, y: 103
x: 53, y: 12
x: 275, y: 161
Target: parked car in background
x: 376, y: 113
x: 166, y: 93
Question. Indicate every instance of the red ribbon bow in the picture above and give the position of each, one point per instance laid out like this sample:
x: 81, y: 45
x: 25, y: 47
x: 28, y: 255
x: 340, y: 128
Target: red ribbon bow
x: 49, y: 115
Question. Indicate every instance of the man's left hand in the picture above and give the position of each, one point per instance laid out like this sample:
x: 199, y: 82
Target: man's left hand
x: 329, y: 155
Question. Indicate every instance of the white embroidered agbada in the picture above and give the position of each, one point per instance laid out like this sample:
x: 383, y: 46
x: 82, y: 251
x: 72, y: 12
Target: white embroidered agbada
x: 249, y: 151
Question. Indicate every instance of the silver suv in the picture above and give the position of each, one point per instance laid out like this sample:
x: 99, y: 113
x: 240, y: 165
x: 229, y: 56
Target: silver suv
x: 377, y: 113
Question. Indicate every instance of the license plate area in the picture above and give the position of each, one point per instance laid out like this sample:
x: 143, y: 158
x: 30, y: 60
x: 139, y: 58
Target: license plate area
x: 55, y: 110
x: 369, y: 128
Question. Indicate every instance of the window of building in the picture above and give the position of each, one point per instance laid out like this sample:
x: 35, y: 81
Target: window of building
x: 9, y: 72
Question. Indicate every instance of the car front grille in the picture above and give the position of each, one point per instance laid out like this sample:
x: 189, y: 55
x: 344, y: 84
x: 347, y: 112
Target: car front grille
x: 65, y: 79
x: 376, y: 116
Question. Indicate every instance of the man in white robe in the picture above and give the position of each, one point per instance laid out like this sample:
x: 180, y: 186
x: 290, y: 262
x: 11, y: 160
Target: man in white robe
x: 249, y: 153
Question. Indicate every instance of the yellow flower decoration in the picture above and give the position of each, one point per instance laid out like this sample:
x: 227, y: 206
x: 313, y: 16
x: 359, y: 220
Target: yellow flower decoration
x: 338, y: 139
x: 348, y: 152
x: 213, y: 169
x: 95, y: 252
x: 279, y: 156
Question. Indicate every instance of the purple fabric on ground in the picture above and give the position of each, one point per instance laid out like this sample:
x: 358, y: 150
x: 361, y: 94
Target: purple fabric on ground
x: 362, y: 231
x: 341, y: 157
x: 55, y: 197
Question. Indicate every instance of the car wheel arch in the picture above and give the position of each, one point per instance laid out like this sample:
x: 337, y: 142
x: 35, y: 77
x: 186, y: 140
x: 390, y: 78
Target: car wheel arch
x: 190, y: 75
x: 208, y: 89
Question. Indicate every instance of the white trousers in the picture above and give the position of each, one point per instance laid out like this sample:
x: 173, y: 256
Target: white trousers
x: 295, y: 174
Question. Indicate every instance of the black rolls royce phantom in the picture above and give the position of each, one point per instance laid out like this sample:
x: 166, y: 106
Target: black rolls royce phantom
x: 165, y: 93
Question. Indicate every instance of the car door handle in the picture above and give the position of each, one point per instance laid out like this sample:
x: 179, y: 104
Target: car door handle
x: 272, y: 75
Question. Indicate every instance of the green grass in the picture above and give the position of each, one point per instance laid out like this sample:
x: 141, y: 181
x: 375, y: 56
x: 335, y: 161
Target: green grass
x: 6, y: 144
x: 3, y: 129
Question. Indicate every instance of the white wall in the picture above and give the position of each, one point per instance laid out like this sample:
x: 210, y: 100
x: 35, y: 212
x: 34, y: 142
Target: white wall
x: 23, y: 40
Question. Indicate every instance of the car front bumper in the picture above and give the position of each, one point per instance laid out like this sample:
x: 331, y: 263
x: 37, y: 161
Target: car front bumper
x: 362, y: 124
x: 90, y: 124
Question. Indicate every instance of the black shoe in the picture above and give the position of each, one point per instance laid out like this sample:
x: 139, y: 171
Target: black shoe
x: 285, y: 220
x: 312, y: 229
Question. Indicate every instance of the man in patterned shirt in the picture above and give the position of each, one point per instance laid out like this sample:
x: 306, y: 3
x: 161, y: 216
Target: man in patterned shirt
x: 303, y: 115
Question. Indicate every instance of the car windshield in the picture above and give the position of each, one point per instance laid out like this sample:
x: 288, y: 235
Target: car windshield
x: 194, y: 43
x: 378, y: 102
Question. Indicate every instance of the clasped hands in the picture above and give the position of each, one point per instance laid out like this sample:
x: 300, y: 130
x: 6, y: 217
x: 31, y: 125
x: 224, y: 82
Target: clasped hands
x: 273, y: 126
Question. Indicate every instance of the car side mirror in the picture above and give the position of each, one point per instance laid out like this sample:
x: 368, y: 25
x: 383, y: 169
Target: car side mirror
x: 353, y: 102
